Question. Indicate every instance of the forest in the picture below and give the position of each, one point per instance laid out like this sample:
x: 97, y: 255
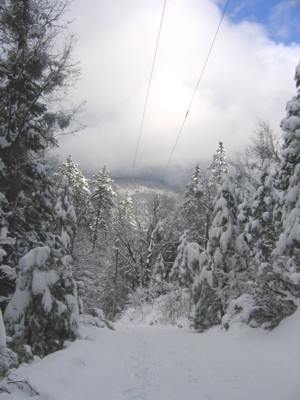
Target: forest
x: 81, y: 250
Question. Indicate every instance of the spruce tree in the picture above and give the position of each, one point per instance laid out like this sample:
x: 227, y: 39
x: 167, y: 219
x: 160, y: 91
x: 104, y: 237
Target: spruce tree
x: 196, y: 209
x: 94, y: 246
x: 48, y: 314
x: 159, y: 284
x: 222, y: 265
x: 66, y: 213
x: 80, y: 188
x: 186, y: 264
x: 219, y: 166
x: 287, y: 249
x: 36, y: 68
x: 154, y: 250
x: 43, y: 312
x: 278, y: 284
x: 261, y: 227
x: 102, y: 203
x: 7, y: 357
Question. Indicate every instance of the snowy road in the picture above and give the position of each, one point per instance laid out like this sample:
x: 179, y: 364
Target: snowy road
x: 155, y: 363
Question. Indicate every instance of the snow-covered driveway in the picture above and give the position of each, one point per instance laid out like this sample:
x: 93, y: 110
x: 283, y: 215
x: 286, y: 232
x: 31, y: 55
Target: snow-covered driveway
x: 157, y: 363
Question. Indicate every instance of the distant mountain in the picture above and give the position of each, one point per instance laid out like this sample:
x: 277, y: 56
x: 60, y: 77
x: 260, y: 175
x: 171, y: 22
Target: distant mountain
x: 141, y: 189
x: 145, y: 182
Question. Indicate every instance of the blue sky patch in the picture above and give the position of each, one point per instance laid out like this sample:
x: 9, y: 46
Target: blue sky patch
x: 280, y: 17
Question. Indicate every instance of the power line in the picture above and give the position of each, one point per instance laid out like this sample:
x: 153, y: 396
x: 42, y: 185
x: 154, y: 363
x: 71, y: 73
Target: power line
x: 195, y: 91
x: 148, y: 91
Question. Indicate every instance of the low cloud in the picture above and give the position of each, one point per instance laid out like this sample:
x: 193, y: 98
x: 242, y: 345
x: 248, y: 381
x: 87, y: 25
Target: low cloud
x: 248, y: 76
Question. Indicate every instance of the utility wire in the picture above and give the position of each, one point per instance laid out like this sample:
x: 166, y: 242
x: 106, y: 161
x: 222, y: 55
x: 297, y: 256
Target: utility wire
x: 195, y: 91
x: 148, y: 91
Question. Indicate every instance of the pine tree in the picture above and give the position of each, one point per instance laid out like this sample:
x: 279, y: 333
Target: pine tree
x: 159, y: 271
x: 159, y: 284
x: 278, y: 284
x: 48, y: 313
x: 287, y: 250
x: 93, y: 246
x: 125, y: 210
x: 102, y: 203
x: 66, y: 214
x: 154, y: 250
x: 207, y: 305
x: 35, y: 71
x: 219, y: 166
x: 222, y: 265
x: 43, y: 312
x: 80, y: 188
x: 7, y: 357
x: 7, y: 273
x: 186, y: 264
x: 259, y: 234
x: 261, y: 229
x: 192, y: 187
x: 197, y: 207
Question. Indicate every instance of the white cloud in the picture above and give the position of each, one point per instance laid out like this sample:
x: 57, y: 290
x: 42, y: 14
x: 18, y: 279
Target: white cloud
x: 247, y: 77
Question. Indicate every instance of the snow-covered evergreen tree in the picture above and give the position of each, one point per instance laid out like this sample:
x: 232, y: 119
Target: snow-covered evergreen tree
x: 80, y: 188
x: 287, y: 251
x: 93, y: 246
x: 186, y: 264
x: 7, y: 273
x: 159, y: 284
x: 222, y: 265
x: 35, y: 66
x: 66, y: 214
x: 30, y: 77
x: 43, y: 312
x: 219, y: 166
x: 8, y: 358
x: 259, y: 236
x: 206, y: 304
x: 154, y: 251
x: 125, y: 210
x: 196, y: 209
x: 278, y: 281
x: 261, y: 227
x: 102, y: 203
x: 159, y: 271
x: 3, y: 365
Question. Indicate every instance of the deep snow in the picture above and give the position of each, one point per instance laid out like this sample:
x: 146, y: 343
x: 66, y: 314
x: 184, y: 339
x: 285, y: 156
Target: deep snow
x: 138, y: 362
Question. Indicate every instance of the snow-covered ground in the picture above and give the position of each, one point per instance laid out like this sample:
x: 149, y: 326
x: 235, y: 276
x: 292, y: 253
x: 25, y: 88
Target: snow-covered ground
x: 138, y: 362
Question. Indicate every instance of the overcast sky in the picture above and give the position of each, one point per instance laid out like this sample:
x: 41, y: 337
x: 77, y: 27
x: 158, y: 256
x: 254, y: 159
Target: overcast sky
x: 249, y: 75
